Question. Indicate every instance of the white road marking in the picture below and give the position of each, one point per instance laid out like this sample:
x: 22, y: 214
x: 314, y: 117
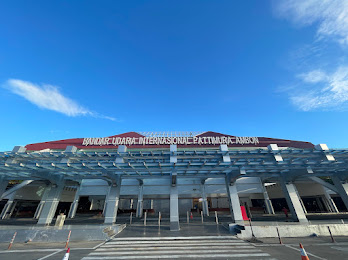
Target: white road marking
x: 47, y: 256
x: 28, y: 251
x: 316, y: 244
x: 345, y: 249
x: 175, y: 238
x: 168, y: 247
x: 198, y: 256
x: 42, y: 250
x: 102, y: 243
x: 172, y: 245
x: 177, y: 248
x: 310, y: 254
x: 208, y: 242
x: 181, y: 252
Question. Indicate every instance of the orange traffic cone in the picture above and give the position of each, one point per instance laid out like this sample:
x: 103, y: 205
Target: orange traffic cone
x: 304, y: 255
x: 191, y: 216
x: 66, y: 256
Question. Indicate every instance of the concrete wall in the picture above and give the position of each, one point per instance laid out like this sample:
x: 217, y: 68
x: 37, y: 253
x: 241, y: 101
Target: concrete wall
x: 220, y: 203
x: 159, y: 205
x: 293, y: 230
x: 190, y: 187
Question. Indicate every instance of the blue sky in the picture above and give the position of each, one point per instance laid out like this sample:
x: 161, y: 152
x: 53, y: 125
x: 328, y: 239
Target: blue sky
x: 247, y: 68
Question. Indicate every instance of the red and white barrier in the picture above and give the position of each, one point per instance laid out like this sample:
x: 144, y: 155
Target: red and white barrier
x: 67, y: 241
x: 66, y: 256
x: 13, y: 238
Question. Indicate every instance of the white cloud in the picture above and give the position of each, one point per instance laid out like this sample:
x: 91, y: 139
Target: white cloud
x: 330, y: 15
x: 48, y: 97
x: 323, y: 90
x: 319, y: 89
x: 313, y: 76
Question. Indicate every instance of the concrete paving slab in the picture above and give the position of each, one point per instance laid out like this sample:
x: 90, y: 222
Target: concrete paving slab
x: 54, y: 234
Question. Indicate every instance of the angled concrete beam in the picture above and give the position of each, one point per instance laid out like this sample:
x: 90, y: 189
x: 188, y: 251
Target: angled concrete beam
x: 293, y: 201
x: 268, y: 202
x: 325, y: 150
x: 233, y: 199
x: 329, y: 203
x: 120, y: 149
x: 231, y: 177
x: 342, y: 187
x: 226, y: 157
x: 3, y: 184
x: 173, y: 156
x: 309, y: 170
x: 17, y: 150
x: 75, y: 203
x: 51, y: 203
x: 275, y: 150
x: 112, y: 201
x: 42, y: 202
x: 8, y: 208
x: 15, y: 188
x: 324, y: 183
x: 68, y: 150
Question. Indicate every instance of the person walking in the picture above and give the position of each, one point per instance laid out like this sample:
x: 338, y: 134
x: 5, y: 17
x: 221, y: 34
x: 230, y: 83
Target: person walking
x: 286, y: 212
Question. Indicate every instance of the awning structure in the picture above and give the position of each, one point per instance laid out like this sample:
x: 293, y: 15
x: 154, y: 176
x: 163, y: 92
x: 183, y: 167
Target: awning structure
x: 270, y: 164
x: 264, y: 163
x: 172, y: 160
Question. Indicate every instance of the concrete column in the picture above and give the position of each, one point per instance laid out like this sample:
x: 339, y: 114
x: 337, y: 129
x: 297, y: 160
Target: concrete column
x: 12, y: 208
x: 105, y: 202
x: 320, y: 204
x: 268, y: 202
x: 74, y: 204
x: 293, y: 201
x: 151, y: 204
x: 140, y: 203
x: 233, y: 200
x: 326, y: 204
x: 330, y: 204
x: 342, y: 187
x: 204, y: 201
x: 42, y: 202
x: 38, y: 210
x: 174, y: 209
x: 301, y: 201
x: 112, y: 202
x: 50, y: 206
x: 174, y: 195
x: 9, y: 207
x: 3, y: 185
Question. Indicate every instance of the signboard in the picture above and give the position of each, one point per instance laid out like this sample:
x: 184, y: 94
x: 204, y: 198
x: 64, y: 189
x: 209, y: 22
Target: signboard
x: 137, y: 140
x: 206, y: 140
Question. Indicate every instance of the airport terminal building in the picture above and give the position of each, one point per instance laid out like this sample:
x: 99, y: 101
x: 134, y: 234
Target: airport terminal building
x: 172, y: 173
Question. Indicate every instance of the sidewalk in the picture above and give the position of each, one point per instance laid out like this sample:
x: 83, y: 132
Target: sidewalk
x: 186, y: 230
